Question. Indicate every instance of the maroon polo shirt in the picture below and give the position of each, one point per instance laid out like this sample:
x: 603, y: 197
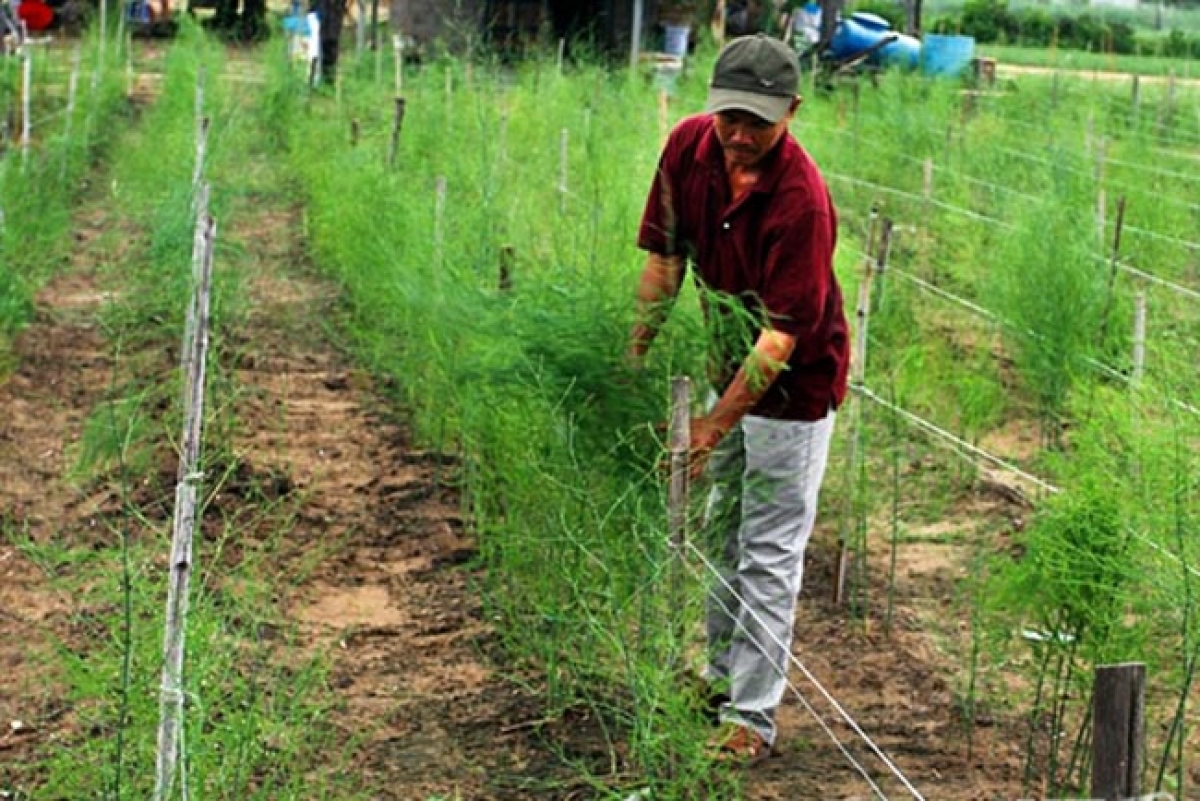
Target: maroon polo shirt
x: 770, y: 253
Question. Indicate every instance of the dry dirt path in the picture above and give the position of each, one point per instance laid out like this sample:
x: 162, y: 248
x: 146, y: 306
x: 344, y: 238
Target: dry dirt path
x: 377, y: 576
x: 391, y: 599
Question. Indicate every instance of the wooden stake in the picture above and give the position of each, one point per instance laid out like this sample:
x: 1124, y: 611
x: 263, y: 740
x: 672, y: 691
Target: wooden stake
x: 398, y: 56
x: 635, y: 35
x: 201, y: 153
x: 1139, y: 339
x: 1118, y: 712
x: 562, y: 54
x: 26, y: 102
x: 927, y: 183
x: 508, y: 261
x: 1114, y: 264
x: 72, y: 92
x: 858, y: 373
x: 563, y: 148
x: 397, y: 125
x: 170, y: 731
x: 1101, y: 216
x: 439, y: 213
x: 354, y: 132
x: 1136, y: 100
x: 718, y: 23
x: 664, y: 125
x: 680, y: 444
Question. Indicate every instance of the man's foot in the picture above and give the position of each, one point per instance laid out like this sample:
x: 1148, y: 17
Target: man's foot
x: 738, y: 746
x: 706, y: 698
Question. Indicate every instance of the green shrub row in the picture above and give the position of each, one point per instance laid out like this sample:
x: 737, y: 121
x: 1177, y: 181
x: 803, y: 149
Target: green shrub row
x: 994, y: 22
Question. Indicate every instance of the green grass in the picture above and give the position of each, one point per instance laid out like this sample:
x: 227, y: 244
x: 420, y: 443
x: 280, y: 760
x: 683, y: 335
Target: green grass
x: 38, y: 190
x: 1082, y: 61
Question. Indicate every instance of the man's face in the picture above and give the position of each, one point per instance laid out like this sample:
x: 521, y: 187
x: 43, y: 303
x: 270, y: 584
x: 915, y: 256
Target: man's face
x: 746, y: 137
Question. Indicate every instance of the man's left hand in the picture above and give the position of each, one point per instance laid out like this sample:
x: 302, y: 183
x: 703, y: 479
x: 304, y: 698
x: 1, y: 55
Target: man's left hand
x: 704, y: 438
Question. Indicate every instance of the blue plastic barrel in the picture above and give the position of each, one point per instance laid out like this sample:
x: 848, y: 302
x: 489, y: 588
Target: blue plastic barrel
x: 857, y: 33
x: 947, y: 55
x: 904, y: 51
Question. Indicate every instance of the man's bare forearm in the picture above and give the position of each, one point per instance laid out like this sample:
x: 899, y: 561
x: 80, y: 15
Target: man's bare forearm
x: 656, y: 292
x: 756, y: 375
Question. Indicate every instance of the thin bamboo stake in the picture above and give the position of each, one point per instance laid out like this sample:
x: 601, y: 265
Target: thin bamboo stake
x: 1139, y: 339
x: 170, y: 731
x: 664, y: 115
x: 201, y: 76
x: 397, y: 123
x: 564, y: 143
x: 680, y: 445
x: 189, y: 324
x: 1114, y: 265
x: 26, y: 102
x: 201, y: 152
x: 858, y: 374
x: 360, y: 29
x: 398, y: 57
x: 635, y: 35
x: 562, y: 55
x: 927, y: 179
x: 508, y: 261
x: 1101, y: 215
x: 439, y: 213
x: 718, y: 23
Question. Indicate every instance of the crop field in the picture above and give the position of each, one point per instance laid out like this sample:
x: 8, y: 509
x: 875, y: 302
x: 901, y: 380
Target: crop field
x: 433, y: 557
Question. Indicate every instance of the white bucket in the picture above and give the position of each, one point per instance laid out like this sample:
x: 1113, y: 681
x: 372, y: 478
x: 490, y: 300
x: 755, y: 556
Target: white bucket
x: 675, y: 40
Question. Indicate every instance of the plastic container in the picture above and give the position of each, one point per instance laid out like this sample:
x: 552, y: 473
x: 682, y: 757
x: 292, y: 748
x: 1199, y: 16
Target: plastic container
x: 857, y: 33
x: 947, y: 55
x: 675, y: 40
x: 903, y: 52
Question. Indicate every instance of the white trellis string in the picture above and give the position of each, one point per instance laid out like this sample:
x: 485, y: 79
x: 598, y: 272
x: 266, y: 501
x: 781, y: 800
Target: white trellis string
x: 958, y: 442
x: 812, y: 679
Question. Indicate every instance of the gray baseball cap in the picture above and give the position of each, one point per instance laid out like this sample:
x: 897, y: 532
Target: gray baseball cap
x: 758, y: 74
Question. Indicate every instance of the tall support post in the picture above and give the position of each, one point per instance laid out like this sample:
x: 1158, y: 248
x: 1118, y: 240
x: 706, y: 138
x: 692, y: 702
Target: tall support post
x: 397, y: 125
x: 1118, y: 712
x: 679, y: 444
x: 439, y: 216
x: 1101, y: 215
x: 635, y: 34
x: 398, y: 58
x: 26, y: 102
x: 564, y: 146
x: 718, y: 23
x: 508, y: 261
x: 1139, y: 339
x: 858, y: 361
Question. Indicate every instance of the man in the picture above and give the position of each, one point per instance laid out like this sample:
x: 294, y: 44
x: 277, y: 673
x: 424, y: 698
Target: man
x: 739, y: 199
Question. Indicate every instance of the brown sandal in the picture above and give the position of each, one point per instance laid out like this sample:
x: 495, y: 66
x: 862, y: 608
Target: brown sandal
x: 739, y: 746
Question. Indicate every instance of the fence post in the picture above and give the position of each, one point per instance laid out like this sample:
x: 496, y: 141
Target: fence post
x: 1118, y: 712
x: 508, y: 260
x: 564, y: 143
x: 858, y: 369
x: 26, y: 100
x: 397, y: 123
x: 398, y: 58
x: 1139, y: 339
x: 680, y: 444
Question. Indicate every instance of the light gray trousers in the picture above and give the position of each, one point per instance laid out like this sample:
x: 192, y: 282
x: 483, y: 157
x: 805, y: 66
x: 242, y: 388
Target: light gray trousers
x: 766, y: 477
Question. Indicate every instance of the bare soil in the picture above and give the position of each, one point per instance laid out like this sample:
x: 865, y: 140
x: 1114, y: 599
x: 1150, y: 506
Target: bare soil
x: 380, y: 573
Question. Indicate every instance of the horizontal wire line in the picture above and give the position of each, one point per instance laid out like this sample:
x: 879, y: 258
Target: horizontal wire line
x: 962, y: 444
x: 812, y: 680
